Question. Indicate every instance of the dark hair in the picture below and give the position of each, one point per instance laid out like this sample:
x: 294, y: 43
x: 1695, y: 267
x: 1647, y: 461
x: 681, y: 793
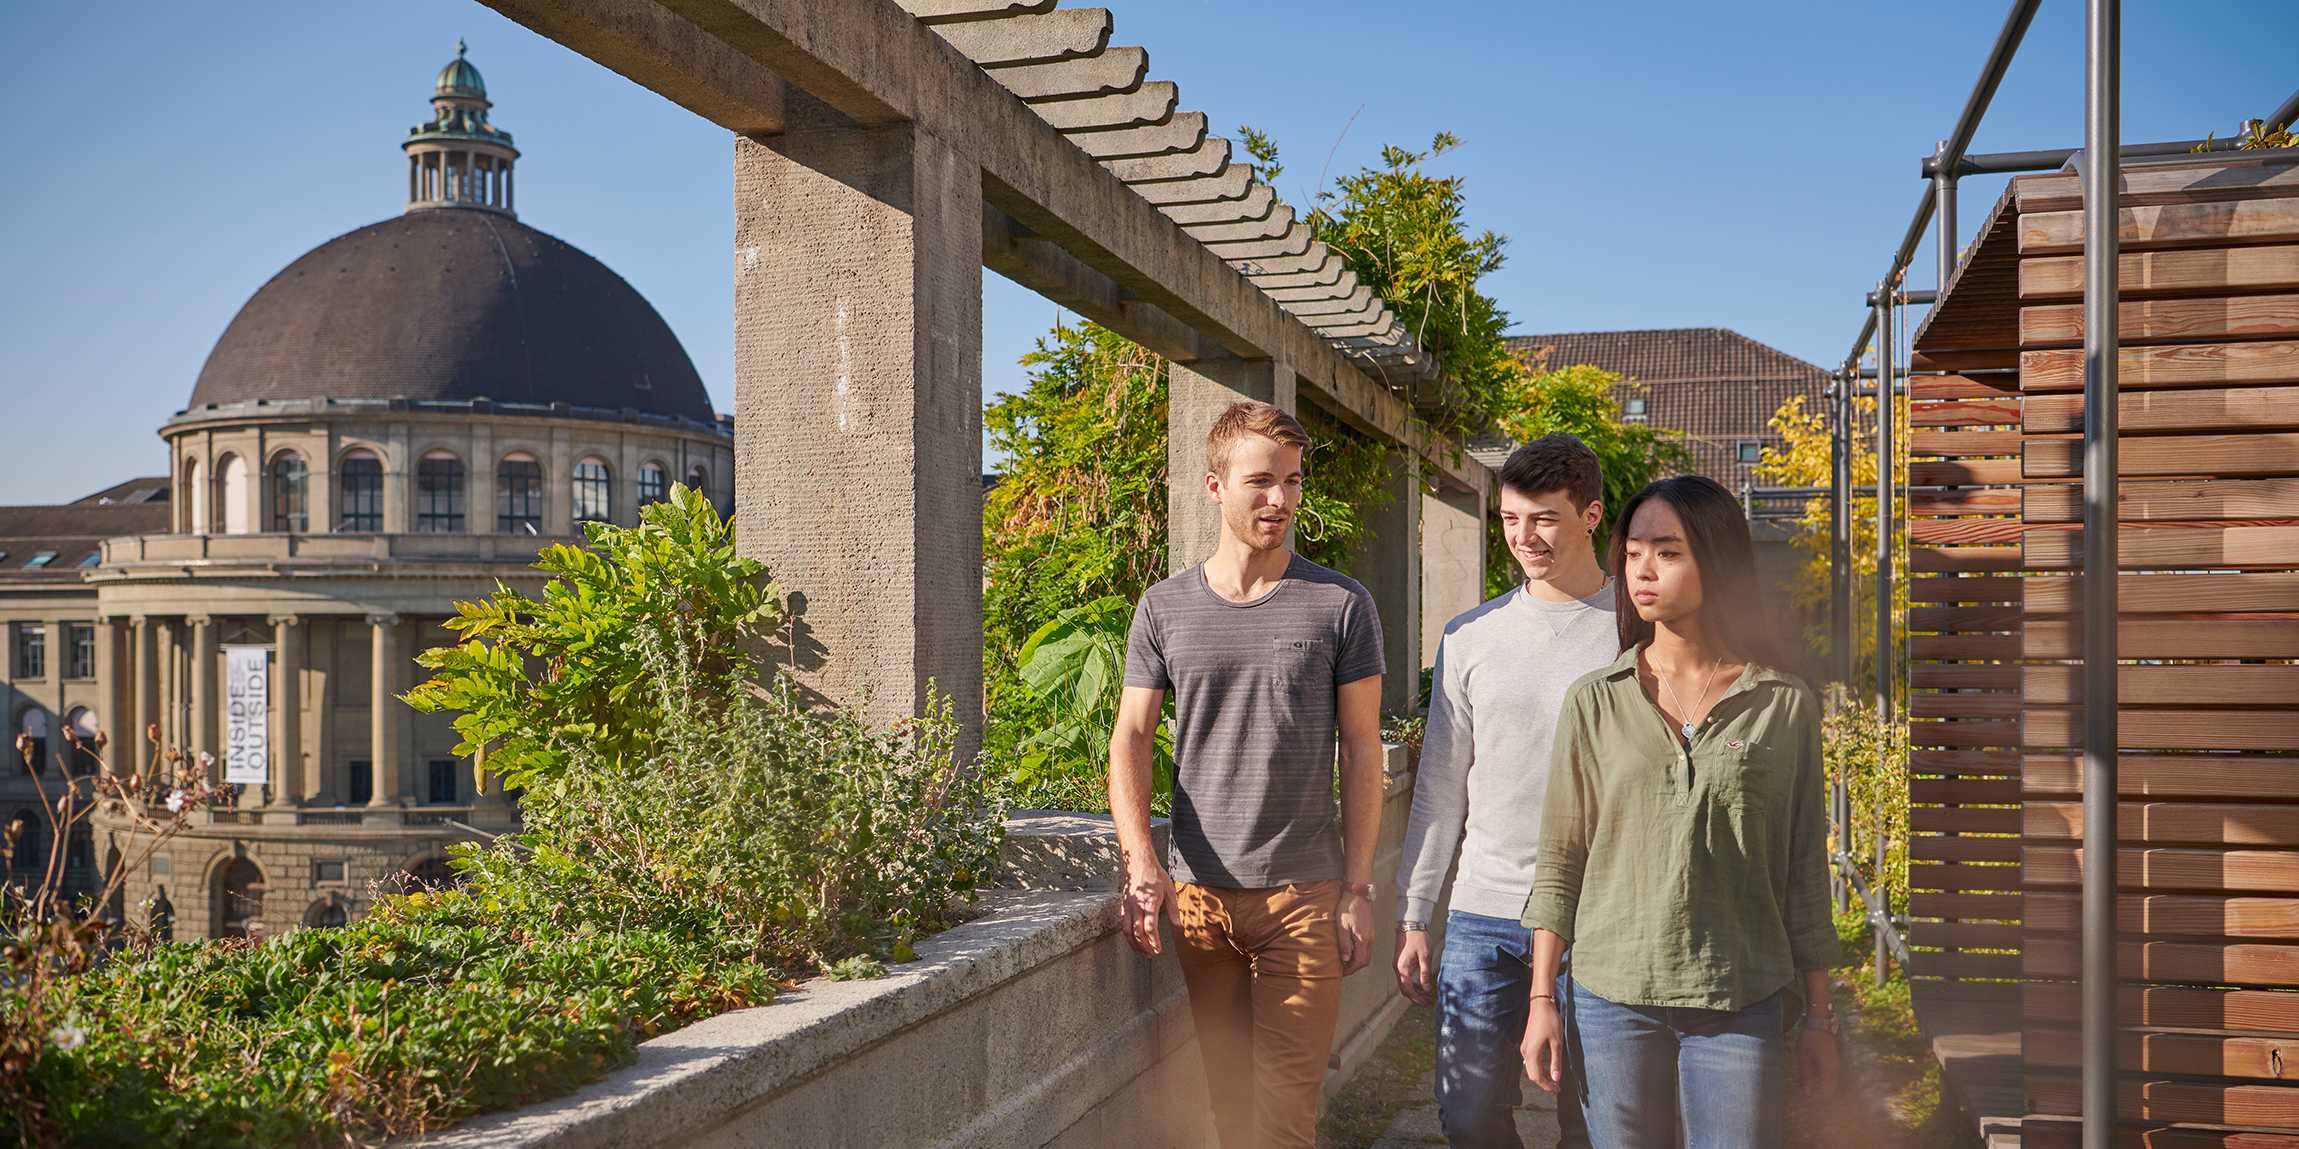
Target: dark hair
x: 1732, y: 609
x: 1555, y: 462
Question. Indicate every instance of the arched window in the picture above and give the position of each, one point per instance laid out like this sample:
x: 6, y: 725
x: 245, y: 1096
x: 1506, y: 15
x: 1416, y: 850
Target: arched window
x: 231, y: 494
x: 698, y: 477
x: 360, y: 480
x: 195, y: 499
x: 326, y: 914
x: 519, y: 495
x: 84, y: 725
x: 654, y: 485
x: 439, y: 492
x: 290, y: 497
x: 594, y: 492
x: 432, y: 873
x: 238, y: 899
x: 33, y: 724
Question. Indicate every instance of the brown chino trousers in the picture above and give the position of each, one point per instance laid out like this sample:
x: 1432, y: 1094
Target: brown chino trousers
x: 1263, y: 968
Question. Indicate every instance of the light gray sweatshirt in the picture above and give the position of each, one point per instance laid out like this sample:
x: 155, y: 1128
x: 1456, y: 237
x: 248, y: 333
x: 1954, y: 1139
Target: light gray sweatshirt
x: 1500, y: 679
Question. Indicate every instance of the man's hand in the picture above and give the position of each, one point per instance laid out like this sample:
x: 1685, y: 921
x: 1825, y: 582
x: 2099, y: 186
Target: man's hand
x: 1816, y: 1057
x: 1413, y: 965
x: 1149, y: 893
x: 1544, y: 1044
x: 1356, y: 932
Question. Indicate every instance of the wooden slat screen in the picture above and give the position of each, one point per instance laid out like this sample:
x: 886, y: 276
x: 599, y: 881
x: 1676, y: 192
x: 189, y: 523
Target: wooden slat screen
x: 2209, y: 628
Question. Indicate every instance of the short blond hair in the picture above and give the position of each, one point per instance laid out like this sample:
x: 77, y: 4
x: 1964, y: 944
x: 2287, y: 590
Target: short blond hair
x: 1250, y: 418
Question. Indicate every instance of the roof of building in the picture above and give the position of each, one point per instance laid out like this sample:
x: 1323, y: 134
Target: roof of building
x: 69, y: 533
x: 452, y: 304
x: 144, y: 489
x: 1717, y: 386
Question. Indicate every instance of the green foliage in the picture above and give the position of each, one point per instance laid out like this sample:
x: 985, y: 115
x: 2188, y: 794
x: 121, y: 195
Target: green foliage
x: 1584, y: 402
x: 437, y: 1006
x: 2254, y: 136
x: 1074, y: 666
x: 1347, y: 480
x: 1875, y: 768
x: 657, y: 879
x: 1079, y: 513
x: 533, y: 678
x: 1803, y: 460
x: 1404, y: 232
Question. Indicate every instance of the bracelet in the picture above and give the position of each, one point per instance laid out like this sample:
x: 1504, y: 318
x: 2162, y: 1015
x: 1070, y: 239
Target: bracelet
x: 1409, y: 926
x: 1550, y: 998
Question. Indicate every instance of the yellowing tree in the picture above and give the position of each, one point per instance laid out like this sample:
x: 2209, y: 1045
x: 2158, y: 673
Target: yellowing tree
x: 1804, y: 461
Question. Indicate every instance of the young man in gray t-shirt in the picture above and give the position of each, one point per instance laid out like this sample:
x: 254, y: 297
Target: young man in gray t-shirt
x: 1502, y: 671
x: 1269, y: 657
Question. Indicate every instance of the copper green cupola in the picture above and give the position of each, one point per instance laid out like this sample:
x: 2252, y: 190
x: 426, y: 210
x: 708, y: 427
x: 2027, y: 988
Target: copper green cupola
x: 459, y: 159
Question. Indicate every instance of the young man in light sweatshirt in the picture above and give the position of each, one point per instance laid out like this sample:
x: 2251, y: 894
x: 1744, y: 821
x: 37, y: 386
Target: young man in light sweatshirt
x: 1500, y: 679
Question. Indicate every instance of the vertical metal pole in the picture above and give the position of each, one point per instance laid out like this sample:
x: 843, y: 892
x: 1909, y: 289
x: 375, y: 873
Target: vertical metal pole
x: 2101, y: 179
x: 1944, y: 211
x: 1840, y: 527
x: 1886, y: 410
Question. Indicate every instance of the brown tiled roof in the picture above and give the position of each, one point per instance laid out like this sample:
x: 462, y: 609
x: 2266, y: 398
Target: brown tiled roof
x: 71, y: 532
x: 144, y: 489
x: 1717, y: 386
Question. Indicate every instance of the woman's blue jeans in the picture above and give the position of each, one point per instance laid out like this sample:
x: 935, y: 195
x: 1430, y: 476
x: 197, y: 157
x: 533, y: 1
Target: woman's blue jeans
x: 1644, y: 1067
x: 1484, y: 992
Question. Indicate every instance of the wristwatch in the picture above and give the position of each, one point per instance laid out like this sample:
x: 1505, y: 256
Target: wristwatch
x: 1819, y: 1022
x: 1409, y: 926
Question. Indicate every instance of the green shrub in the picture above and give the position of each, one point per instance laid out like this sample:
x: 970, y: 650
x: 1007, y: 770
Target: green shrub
x: 1074, y: 668
x: 1853, y: 747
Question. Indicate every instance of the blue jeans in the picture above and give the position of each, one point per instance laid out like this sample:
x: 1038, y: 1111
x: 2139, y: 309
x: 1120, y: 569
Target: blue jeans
x: 1484, y: 988
x: 1646, y: 1065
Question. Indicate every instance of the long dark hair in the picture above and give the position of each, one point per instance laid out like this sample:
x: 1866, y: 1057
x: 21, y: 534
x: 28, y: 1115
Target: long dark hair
x: 1732, y: 610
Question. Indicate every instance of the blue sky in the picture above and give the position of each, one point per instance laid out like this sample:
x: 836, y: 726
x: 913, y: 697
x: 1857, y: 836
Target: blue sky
x: 1660, y: 164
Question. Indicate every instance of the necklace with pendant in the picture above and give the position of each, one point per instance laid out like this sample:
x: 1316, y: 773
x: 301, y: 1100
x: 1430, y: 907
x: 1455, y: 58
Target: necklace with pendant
x: 1707, y: 683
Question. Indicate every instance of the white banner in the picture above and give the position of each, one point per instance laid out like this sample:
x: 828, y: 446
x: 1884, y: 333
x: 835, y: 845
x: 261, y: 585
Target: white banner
x: 247, y: 727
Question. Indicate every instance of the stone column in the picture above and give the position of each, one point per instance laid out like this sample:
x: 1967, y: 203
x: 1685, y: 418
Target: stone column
x: 59, y: 758
x: 286, y: 710
x: 203, y: 673
x: 146, y: 641
x: 1197, y: 393
x: 383, y: 730
x: 858, y: 410
x: 110, y: 685
x: 1452, y: 561
x: 1390, y: 566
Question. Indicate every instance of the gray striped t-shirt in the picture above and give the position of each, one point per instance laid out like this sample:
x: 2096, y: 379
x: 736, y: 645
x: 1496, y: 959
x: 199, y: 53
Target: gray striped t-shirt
x: 1254, y: 686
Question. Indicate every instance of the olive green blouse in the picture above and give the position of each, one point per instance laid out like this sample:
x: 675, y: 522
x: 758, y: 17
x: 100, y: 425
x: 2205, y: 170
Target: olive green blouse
x: 1686, y: 875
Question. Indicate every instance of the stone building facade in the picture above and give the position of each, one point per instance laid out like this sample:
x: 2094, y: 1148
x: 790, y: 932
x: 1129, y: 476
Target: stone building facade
x: 394, y: 423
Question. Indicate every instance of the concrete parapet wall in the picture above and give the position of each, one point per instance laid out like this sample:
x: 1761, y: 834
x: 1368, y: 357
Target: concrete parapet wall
x: 1032, y: 1025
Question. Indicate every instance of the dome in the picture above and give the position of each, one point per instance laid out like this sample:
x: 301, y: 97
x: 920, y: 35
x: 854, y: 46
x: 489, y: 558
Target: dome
x: 454, y: 305
x: 459, y: 78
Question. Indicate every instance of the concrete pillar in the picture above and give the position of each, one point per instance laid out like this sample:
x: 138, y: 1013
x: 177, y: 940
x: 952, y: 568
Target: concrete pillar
x: 1390, y: 566
x: 1452, y: 561
x: 1196, y: 394
x: 286, y: 710
x: 203, y: 675
x: 383, y: 731
x: 135, y: 751
x: 858, y: 405
x: 57, y: 653
x: 110, y: 687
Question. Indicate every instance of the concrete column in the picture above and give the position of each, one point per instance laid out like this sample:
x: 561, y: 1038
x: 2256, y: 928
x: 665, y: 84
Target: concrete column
x: 203, y: 675
x: 383, y: 730
x: 858, y: 405
x: 1196, y: 394
x: 134, y: 751
x: 110, y: 686
x: 286, y: 710
x: 1452, y: 561
x: 57, y: 759
x: 1390, y: 567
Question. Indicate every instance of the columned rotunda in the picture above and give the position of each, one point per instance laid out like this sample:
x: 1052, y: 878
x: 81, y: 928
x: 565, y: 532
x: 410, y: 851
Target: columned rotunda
x: 395, y: 422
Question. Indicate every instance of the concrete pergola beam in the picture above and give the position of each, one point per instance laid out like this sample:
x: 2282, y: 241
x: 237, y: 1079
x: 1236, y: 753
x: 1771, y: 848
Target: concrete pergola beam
x: 1351, y: 303
x: 1009, y: 249
x: 1346, y: 283
x: 682, y: 62
x: 951, y: 11
x: 1209, y: 158
x: 1257, y: 203
x: 1110, y: 73
x: 1327, y: 270
x: 1033, y: 38
x: 876, y: 64
x: 1151, y: 104
x: 1180, y: 133
x: 1316, y: 258
x: 1295, y: 241
x: 1278, y: 223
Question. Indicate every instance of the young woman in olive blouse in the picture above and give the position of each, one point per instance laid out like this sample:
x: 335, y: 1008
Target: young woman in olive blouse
x: 1683, y: 850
